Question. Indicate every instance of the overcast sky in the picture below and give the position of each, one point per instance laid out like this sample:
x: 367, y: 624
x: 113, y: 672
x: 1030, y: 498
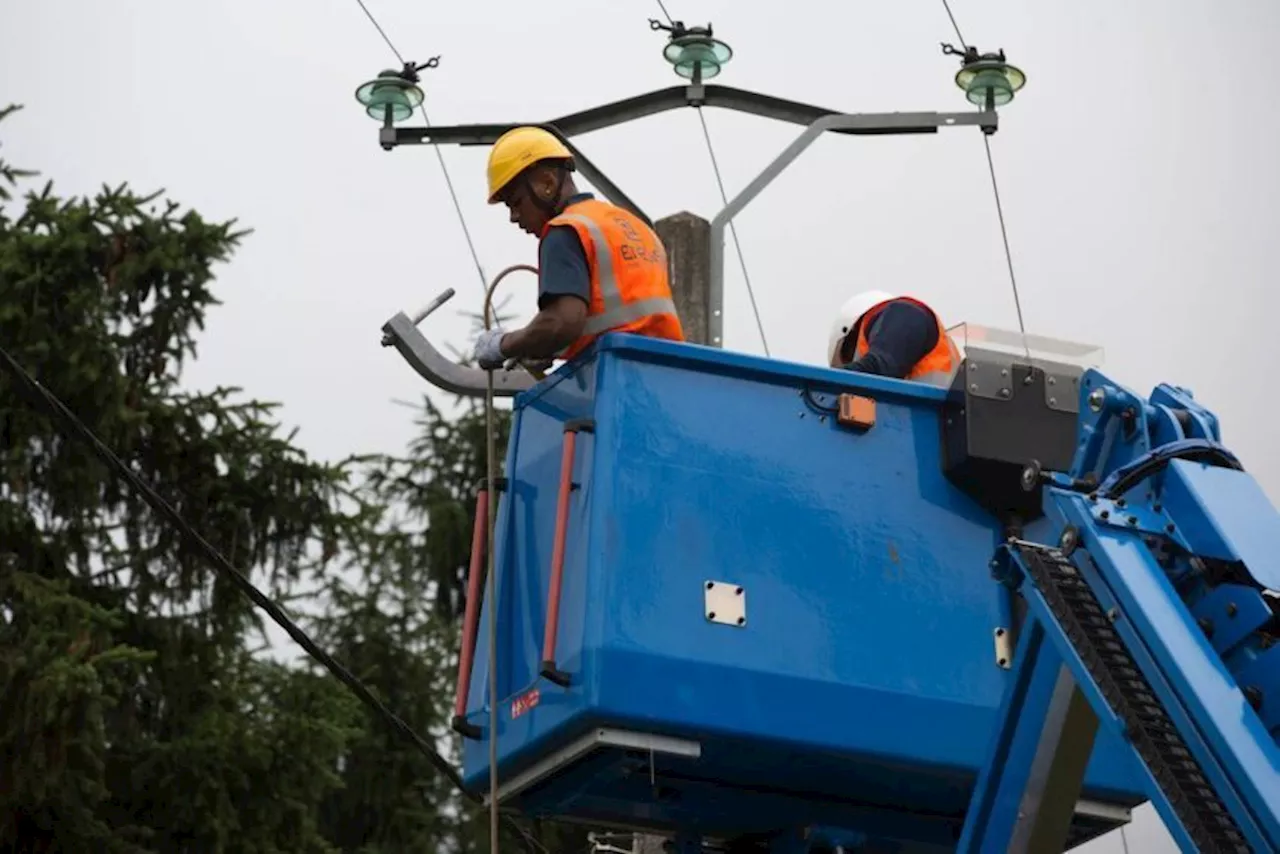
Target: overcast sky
x: 1137, y: 169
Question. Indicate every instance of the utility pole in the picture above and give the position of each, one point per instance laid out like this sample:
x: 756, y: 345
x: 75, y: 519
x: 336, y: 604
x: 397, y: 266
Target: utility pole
x: 687, y: 239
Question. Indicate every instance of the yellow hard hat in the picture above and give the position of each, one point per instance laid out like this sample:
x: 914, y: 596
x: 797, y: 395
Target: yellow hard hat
x: 516, y: 150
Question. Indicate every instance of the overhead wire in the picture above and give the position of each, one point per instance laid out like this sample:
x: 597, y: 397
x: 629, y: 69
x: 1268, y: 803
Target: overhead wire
x: 51, y: 404
x: 486, y: 289
x: 995, y: 189
x: 954, y: 25
x: 444, y: 168
x: 733, y: 231
x: 1004, y: 235
x: 724, y: 198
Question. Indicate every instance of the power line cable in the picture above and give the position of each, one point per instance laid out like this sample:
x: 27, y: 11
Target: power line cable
x: 724, y: 197
x: 448, y: 179
x: 475, y: 257
x: 55, y: 407
x: 954, y: 25
x: 1004, y: 235
x: 733, y: 230
x: 381, y: 31
x: 49, y: 402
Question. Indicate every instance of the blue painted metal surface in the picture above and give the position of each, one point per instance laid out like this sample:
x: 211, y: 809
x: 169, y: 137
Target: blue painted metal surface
x: 1226, y: 515
x: 862, y: 691
x: 993, y: 811
x: 1218, y: 777
x: 1197, y: 677
x: 1176, y: 544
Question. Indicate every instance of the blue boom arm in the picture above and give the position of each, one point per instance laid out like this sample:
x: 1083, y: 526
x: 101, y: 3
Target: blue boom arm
x: 1153, y: 615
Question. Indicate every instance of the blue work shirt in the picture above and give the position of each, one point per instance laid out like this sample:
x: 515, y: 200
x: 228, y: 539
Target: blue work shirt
x: 562, y: 262
x: 902, y: 334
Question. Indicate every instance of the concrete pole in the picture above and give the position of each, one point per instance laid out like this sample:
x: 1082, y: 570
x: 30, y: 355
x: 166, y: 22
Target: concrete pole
x: 686, y: 238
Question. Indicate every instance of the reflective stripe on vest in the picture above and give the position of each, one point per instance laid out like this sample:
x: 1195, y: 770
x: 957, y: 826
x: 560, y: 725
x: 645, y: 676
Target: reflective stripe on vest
x: 614, y: 311
x: 937, y: 367
x: 628, y: 313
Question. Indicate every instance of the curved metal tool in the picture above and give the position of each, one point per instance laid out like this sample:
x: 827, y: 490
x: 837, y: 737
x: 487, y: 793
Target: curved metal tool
x: 401, y: 331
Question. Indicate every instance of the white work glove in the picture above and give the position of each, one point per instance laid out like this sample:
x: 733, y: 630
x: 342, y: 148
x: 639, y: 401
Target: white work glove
x: 488, y: 349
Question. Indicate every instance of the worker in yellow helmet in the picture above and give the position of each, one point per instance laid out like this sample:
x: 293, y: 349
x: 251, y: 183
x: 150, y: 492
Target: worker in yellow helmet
x: 601, y: 268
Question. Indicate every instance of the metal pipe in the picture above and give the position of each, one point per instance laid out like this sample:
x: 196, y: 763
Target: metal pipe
x: 551, y: 629
x: 491, y: 454
x: 470, y: 618
x: 863, y: 124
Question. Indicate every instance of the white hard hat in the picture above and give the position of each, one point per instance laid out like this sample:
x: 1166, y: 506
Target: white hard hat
x: 850, y: 313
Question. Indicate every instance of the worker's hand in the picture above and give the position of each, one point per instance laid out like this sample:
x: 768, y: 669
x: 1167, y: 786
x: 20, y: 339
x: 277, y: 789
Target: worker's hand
x: 488, y: 349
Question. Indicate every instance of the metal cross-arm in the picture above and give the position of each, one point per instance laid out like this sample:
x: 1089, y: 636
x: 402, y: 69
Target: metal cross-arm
x: 627, y: 110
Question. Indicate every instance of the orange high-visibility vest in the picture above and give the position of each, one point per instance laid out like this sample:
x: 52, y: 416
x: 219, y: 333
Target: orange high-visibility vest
x: 938, y: 365
x: 630, y: 291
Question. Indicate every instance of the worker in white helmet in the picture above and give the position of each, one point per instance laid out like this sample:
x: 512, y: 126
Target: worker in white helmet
x: 892, y: 336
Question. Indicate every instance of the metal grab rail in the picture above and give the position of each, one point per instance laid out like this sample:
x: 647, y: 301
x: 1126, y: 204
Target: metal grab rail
x: 548, y: 668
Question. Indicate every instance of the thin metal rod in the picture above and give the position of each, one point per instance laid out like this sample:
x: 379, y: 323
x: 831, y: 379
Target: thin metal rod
x: 733, y: 231
x: 665, y: 13
x: 491, y: 453
x: 1008, y: 255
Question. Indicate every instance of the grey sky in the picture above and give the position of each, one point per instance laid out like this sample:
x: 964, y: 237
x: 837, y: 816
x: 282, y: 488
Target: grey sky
x: 1140, y: 184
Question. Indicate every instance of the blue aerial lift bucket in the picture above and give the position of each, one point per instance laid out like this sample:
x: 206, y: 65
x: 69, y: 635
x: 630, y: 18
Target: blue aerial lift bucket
x: 773, y: 607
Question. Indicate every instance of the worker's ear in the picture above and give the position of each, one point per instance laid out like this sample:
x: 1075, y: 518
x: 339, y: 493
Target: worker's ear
x: 843, y: 354
x: 544, y: 182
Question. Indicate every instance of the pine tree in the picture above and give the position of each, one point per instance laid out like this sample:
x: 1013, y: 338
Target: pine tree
x: 132, y: 715
x: 137, y: 712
